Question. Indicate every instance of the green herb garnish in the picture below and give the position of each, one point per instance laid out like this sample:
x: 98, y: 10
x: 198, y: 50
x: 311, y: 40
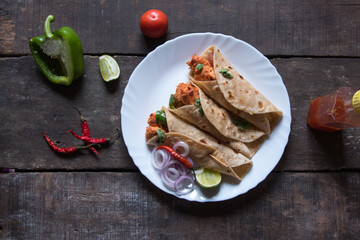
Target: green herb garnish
x: 198, y: 104
x: 225, y: 73
x: 160, y: 118
x: 201, y: 111
x: 199, y: 66
x: 172, y: 103
x: 161, y: 136
x: 241, y: 124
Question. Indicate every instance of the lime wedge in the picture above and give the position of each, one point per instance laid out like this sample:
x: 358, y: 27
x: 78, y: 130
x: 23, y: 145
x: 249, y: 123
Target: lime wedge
x: 207, y: 178
x: 109, y: 68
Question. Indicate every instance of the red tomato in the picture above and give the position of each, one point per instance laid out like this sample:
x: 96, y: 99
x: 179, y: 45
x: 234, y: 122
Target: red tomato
x: 153, y: 23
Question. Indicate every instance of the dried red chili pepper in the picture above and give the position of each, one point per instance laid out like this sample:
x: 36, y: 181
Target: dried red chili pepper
x: 94, y: 140
x: 85, y: 129
x: 63, y: 150
x: 177, y: 156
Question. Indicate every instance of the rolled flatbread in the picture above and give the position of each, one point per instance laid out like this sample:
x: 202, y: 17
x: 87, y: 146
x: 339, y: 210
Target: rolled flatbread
x: 236, y: 94
x: 237, y: 161
x: 219, y: 123
x: 202, y: 154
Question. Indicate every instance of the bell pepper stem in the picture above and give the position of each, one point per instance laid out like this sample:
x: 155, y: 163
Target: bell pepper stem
x: 47, y: 29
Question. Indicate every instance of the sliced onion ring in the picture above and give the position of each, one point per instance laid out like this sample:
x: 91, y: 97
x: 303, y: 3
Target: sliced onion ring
x: 175, y: 176
x: 169, y: 185
x: 169, y: 175
x: 179, y: 166
x: 181, y: 146
x: 184, y: 184
x: 159, y: 158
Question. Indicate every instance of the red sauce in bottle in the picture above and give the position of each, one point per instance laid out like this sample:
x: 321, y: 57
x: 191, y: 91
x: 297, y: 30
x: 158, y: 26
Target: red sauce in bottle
x: 334, y: 111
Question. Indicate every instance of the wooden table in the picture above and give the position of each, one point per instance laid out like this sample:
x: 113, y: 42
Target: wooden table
x: 313, y: 193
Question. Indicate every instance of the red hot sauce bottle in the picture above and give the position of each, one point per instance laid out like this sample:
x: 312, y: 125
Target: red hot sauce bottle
x: 335, y: 111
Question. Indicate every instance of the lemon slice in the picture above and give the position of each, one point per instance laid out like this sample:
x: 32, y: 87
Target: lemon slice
x: 109, y: 68
x: 207, y: 178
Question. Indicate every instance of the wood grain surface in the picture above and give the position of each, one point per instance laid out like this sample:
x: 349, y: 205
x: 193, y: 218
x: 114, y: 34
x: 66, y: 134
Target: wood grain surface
x: 311, y: 27
x: 313, y: 193
x: 32, y: 105
x: 127, y: 206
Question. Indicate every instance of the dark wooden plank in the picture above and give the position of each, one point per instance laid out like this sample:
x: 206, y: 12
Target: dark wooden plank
x: 128, y: 206
x: 311, y: 27
x: 31, y: 104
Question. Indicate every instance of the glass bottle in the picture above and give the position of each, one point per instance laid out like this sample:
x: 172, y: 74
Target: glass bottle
x: 336, y: 111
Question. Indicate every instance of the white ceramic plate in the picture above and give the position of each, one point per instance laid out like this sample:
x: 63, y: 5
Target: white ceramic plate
x: 157, y: 76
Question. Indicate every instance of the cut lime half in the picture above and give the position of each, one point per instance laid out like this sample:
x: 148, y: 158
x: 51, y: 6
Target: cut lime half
x: 207, y: 178
x: 109, y: 68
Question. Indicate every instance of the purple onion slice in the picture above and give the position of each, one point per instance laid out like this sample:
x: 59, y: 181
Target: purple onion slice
x: 184, y: 185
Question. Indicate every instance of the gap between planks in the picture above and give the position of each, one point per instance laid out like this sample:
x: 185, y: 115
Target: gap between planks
x: 137, y: 171
x: 4, y: 56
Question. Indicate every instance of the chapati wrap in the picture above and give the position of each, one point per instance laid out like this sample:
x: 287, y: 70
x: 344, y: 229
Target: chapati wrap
x: 237, y: 161
x: 202, y: 154
x: 236, y: 94
x: 219, y: 123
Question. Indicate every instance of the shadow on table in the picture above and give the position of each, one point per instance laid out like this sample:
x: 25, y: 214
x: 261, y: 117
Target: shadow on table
x: 151, y: 44
x: 210, y: 209
x: 329, y: 147
x: 70, y: 91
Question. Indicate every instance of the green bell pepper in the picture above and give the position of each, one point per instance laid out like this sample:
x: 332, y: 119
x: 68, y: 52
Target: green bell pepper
x: 59, y: 55
x: 172, y: 103
x: 160, y: 117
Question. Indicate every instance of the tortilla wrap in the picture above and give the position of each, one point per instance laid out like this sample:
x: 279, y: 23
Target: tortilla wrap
x: 237, y: 161
x: 218, y: 122
x: 237, y: 95
x: 202, y: 154
x: 218, y: 118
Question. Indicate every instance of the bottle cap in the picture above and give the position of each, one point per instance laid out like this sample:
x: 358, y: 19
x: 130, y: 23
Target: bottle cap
x: 356, y: 101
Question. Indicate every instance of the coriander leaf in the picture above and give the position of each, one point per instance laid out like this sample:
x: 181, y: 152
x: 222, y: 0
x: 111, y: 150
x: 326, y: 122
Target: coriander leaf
x: 197, y: 102
x: 225, y: 73
x: 199, y: 66
x: 241, y: 124
x: 201, y: 111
